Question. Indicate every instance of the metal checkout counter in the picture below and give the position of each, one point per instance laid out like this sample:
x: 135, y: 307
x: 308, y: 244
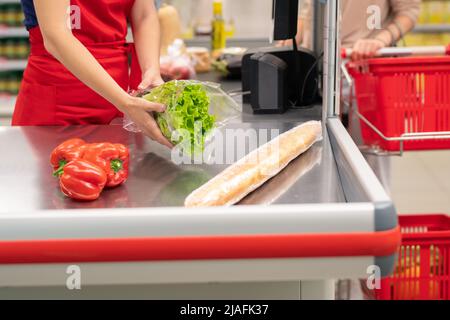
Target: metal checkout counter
x: 325, y: 217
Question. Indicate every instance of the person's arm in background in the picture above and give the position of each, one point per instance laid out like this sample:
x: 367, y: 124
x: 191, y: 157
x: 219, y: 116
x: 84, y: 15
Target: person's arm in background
x: 304, y: 26
x: 405, y: 14
x: 146, y: 34
x: 65, y: 47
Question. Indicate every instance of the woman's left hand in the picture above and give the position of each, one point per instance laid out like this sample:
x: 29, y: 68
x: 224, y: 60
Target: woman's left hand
x: 366, y: 48
x: 150, y: 79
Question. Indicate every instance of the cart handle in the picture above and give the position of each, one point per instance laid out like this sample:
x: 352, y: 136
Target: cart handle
x: 412, y: 136
x: 405, y: 52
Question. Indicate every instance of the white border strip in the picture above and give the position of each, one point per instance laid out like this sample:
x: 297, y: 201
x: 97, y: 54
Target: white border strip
x: 186, y: 272
x: 154, y: 222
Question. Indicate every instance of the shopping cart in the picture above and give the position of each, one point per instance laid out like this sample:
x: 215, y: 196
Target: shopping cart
x: 423, y: 265
x: 403, y: 101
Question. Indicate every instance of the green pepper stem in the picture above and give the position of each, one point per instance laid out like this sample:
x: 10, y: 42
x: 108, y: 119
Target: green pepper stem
x: 59, y: 172
x: 116, y: 165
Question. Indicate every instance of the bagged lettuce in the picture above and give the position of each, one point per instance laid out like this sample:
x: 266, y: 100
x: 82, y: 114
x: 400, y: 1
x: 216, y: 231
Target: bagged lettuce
x: 193, y: 110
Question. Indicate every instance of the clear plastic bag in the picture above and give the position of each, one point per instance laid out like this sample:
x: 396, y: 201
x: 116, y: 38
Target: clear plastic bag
x: 177, y: 64
x: 194, y: 110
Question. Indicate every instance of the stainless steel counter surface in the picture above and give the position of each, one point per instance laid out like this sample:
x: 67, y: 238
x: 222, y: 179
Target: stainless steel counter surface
x: 155, y: 181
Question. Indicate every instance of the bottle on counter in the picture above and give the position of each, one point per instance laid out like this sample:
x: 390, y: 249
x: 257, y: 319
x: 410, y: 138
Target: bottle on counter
x: 218, y: 33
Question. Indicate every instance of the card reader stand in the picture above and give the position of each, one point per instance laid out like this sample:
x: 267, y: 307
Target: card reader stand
x: 266, y: 70
x: 302, y: 86
x: 268, y: 83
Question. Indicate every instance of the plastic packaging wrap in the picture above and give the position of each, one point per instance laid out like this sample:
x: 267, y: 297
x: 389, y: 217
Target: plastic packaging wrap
x: 194, y: 110
x: 252, y: 171
x: 177, y: 64
x: 277, y: 187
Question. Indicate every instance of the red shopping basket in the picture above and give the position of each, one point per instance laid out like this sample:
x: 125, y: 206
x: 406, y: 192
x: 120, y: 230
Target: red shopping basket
x: 403, y: 96
x: 423, y: 265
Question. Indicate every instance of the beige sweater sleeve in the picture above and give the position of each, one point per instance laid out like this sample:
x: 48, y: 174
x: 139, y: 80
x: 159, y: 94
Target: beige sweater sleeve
x: 409, y: 8
x: 353, y: 29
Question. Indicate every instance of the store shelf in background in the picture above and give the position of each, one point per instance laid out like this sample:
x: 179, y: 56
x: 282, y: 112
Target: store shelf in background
x: 7, y: 104
x: 11, y: 18
x: 13, y: 32
x: 10, y: 65
x: 426, y: 39
x: 432, y: 28
x: 205, y: 41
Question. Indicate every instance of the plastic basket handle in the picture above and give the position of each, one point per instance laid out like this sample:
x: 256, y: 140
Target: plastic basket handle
x: 405, y: 52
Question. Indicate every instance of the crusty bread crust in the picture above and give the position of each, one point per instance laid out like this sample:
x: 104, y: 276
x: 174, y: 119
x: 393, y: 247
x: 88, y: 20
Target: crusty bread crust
x: 249, y: 173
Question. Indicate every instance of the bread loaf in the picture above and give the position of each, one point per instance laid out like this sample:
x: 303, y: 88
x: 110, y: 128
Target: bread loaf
x: 274, y: 189
x: 252, y: 171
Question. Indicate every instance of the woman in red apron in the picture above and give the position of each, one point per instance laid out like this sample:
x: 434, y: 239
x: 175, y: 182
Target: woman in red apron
x: 78, y: 71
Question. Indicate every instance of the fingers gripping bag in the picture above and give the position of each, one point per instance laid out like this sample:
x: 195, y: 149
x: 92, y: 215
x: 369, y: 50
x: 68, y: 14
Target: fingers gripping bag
x: 194, y: 110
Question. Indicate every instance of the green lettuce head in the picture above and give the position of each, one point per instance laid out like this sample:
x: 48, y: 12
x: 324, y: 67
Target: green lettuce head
x: 186, y: 121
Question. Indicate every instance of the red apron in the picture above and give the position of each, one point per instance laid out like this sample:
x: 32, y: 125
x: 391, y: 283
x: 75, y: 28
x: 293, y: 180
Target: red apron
x: 51, y: 95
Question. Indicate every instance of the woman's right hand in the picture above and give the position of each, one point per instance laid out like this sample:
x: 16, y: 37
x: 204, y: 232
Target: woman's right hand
x: 140, y: 111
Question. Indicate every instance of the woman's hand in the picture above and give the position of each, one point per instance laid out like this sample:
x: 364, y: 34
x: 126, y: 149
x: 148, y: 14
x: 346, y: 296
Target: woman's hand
x: 366, y: 48
x: 150, y: 79
x: 139, y: 111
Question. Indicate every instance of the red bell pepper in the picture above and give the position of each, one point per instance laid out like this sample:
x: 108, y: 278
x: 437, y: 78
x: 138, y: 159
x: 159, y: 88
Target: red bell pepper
x: 82, y: 180
x: 64, y: 153
x: 113, y: 158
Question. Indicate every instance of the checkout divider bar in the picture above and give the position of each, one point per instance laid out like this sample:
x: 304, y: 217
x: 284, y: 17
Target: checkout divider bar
x: 331, y: 70
x: 359, y: 181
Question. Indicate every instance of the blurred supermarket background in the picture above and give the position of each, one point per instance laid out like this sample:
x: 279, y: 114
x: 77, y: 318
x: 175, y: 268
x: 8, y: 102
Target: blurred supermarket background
x: 243, y: 21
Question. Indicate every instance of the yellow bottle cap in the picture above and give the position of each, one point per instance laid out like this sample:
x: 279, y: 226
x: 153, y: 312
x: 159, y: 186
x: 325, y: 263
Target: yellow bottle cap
x: 217, y: 7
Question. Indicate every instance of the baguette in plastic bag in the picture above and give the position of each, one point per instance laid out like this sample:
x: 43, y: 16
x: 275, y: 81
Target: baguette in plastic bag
x: 252, y: 171
x: 274, y: 189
